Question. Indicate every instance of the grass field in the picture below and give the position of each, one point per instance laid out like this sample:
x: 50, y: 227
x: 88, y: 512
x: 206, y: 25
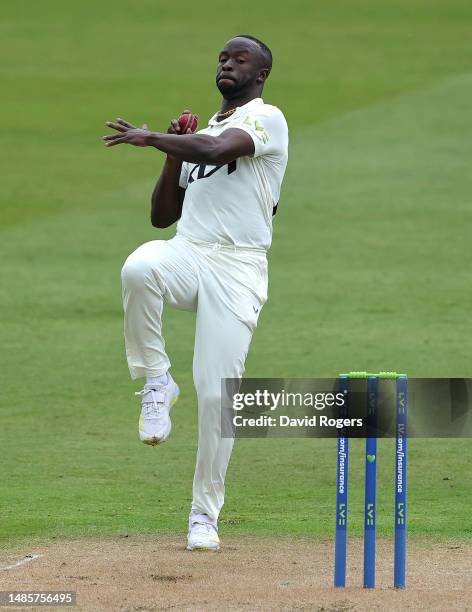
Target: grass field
x: 370, y: 267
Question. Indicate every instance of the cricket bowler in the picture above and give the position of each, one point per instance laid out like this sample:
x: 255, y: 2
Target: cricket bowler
x: 222, y: 186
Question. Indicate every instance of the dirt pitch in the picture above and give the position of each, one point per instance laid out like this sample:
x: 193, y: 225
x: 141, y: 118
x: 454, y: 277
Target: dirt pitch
x: 156, y: 573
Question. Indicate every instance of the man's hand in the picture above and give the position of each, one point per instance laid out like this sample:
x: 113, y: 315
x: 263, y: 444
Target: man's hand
x: 174, y: 127
x: 127, y: 134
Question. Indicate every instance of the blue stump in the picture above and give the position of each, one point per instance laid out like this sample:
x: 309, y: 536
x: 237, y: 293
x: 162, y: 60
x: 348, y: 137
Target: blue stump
x: 370, y: 508
x: 340, y: 551
x: 401, y: 482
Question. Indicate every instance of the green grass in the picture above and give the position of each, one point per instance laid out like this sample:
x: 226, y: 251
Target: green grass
x: 369, y: 267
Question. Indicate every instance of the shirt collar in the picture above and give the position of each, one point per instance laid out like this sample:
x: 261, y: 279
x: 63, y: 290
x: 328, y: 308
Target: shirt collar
x: 239, y: 110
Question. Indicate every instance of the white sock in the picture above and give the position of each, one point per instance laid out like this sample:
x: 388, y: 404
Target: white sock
x: 157, y: 380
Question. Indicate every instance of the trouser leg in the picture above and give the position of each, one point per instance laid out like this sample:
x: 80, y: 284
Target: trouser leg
x: 221, y: 345
x: 218, y: 355
x: 157, y: 272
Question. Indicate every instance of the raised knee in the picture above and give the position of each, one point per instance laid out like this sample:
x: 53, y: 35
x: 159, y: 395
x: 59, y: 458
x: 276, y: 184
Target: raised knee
x: 142, y: 266
x: 135, y: 271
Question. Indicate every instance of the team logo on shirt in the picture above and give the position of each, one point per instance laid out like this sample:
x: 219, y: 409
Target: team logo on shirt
x: 202, y: 171
x: 258, y: 128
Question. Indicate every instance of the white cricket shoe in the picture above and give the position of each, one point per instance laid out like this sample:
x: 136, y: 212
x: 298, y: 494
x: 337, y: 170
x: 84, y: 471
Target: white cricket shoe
x: 154, y: 423
x: 202, y: 536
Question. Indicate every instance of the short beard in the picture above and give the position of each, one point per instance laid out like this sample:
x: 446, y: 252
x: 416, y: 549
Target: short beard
x: 231, y: 91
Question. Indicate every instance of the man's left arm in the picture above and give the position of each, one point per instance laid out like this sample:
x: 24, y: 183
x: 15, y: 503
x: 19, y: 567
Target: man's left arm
x: 194, y: 148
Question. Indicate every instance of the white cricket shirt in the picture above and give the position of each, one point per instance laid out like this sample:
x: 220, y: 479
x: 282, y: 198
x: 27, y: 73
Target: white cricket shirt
x: 234, y: 204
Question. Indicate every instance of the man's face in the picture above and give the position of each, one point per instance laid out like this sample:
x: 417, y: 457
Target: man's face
x: 239, y: 67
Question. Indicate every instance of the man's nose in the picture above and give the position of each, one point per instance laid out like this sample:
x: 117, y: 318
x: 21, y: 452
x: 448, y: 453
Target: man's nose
x: 227, y: 66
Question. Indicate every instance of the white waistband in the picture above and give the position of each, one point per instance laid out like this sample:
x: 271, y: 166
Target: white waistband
x: 216, y: 246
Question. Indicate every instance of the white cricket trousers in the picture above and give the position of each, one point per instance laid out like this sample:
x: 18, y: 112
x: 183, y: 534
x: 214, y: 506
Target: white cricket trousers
x: 227, y: 287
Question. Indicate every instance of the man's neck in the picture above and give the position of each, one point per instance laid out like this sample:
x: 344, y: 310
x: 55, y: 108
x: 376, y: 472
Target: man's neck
x: 228, y: 104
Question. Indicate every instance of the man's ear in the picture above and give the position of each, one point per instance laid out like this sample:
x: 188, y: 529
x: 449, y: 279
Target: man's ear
x: 263, y: 74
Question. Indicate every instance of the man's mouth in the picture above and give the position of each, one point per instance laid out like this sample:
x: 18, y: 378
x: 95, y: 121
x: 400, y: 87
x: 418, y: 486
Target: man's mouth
x: 225, y: 77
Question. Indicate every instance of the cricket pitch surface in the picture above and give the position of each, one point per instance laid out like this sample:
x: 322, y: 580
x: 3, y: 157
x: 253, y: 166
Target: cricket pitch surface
x: 146, y: 573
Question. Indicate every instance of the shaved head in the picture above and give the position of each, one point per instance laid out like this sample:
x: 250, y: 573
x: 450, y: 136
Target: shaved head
x: 264, y: 52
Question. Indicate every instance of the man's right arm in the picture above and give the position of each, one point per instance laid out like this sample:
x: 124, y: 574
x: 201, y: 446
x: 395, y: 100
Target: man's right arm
x: 168, y: 197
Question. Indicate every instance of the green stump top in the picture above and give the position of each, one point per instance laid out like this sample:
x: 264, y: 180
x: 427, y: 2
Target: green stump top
x: 392, y: 375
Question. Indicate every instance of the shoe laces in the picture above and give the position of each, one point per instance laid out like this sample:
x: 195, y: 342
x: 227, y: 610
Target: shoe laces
x: 152, y: 409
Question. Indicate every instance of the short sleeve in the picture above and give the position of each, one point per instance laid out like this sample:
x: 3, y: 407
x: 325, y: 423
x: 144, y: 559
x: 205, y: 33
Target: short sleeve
x: 183, y: 180
x: 268, y: 131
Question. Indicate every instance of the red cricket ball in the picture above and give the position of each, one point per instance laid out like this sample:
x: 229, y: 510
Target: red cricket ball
x: 188, y: 121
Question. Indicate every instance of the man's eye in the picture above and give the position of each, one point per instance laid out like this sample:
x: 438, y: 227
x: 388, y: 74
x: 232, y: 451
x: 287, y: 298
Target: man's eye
x: 241, y: 61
